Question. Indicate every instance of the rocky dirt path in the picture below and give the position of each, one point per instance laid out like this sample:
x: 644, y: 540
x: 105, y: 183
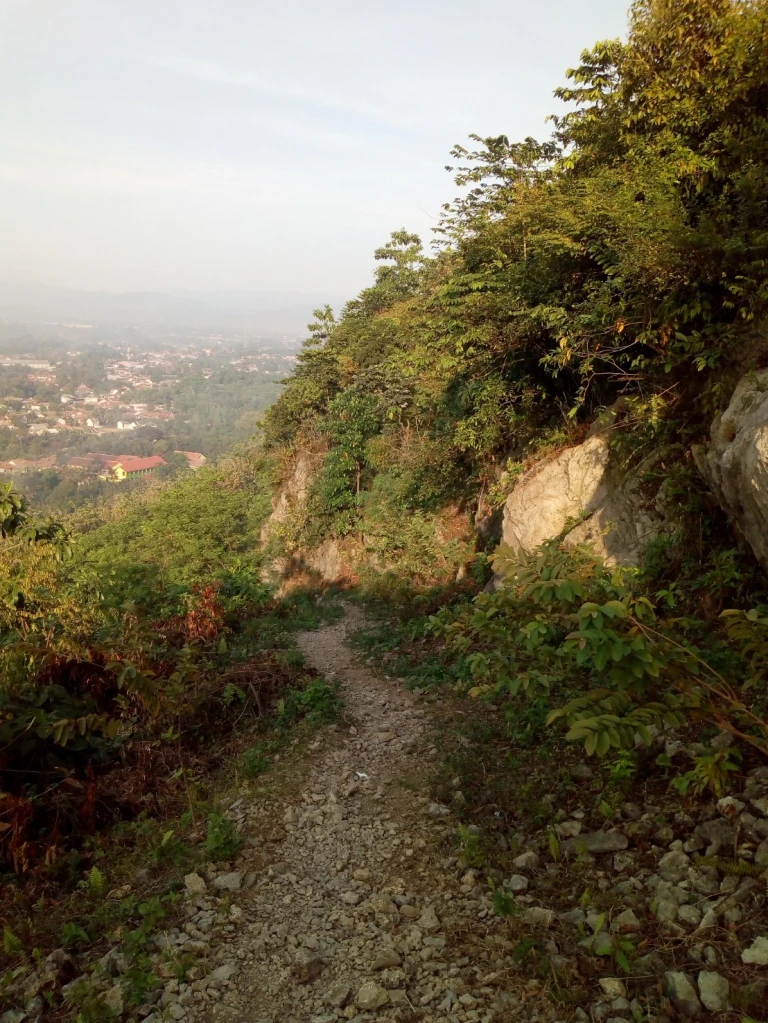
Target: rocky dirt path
x: 358, y: 909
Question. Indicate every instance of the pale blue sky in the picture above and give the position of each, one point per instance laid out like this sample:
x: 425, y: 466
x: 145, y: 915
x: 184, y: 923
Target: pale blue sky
x: 156, y: 144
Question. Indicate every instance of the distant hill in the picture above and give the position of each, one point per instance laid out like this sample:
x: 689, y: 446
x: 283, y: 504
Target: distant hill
x: 268, y: 311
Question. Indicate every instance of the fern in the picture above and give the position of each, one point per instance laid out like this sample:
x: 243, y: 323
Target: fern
x: 11, y: 944
x: 96, y: 881
x: 738, y: 867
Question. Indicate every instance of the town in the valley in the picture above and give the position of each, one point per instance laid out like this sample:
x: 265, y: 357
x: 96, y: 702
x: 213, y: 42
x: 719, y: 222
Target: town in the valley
x: 112, y: 411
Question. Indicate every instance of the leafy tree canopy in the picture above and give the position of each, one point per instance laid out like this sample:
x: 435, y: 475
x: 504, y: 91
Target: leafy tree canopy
x: 627, y: 253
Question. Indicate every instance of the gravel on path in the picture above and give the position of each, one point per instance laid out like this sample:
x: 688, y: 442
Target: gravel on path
x: 355, y: 913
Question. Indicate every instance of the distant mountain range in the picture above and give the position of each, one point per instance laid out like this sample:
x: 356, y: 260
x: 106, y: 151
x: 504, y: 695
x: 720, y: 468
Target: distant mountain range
x: 269, y: 312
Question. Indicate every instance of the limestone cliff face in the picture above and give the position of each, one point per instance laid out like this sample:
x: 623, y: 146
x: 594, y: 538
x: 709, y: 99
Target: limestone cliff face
x: 290, y: 496
x: 735, y: 462
x: 326, y: 562
x: 581, y: 495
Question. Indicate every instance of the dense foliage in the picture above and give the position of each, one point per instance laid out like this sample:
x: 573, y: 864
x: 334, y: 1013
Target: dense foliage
x: 126, y: 647
x: 626, y: 254
x: 624, y: 257
x: 566, y: 628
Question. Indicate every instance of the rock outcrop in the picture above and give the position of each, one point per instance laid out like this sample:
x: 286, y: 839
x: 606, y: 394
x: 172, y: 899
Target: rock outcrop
x: 735, y: 463
x: 326, y: 561
x: 581, y: 495
x: 292, y: 494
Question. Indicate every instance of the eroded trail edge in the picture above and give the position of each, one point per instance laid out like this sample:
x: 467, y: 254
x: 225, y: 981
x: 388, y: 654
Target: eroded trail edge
x: 353, y: 911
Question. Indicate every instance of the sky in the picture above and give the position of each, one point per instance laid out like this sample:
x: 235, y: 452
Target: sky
x: 240, y: 144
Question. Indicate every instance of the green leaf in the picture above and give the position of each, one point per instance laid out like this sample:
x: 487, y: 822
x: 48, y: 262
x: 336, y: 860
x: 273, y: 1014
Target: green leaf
x: 615, y: 609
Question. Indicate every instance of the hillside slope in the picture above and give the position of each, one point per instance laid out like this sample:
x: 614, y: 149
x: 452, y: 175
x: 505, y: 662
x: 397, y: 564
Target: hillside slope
x: 538, y: 457
x: 623, y: 259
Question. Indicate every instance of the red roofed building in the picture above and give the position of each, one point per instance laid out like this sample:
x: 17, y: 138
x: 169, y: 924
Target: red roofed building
x: 130, y: 468
x: 83, y: 462
x: 32, y: 464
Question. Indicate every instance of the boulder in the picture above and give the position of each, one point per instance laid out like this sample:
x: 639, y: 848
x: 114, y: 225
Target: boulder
x: 674, y: 866
x: 428, y: 921
x: 717, y: 833
x: 51, y: 975
x: 690, y: 915
x: 517, y: 884
x: 230, y: 882
x: 539, y: 917
x: 581, y: 493
x: 114, y: 1000
x: 735, y: 463
x: 387, y: 959
x: 223, y: 973
x: 339, y: 994
x: 112, y: 964
x: 326, y: 561
x: 307, y: 966
x: 625, y: 923
x: 613, y: 987
x: 195, y: 885
x: 757, y: 953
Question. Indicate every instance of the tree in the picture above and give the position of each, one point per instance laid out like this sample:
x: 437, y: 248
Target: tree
x: 352, y: 419
x: 400, y: 277
x: 624, y: 255
x: 13, y: 514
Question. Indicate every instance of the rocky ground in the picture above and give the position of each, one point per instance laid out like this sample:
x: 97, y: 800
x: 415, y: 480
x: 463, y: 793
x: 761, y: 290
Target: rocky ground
x: 351, y: 901
x: 361, y: 909
x: 352, y: 914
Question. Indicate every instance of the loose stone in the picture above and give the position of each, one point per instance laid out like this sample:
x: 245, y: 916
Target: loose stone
x: 713, y: 990
x: 371, y: 996
x: 596, y: 842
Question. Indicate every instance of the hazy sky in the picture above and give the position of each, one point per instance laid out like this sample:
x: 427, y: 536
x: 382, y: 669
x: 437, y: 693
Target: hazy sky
x: 204, y: 144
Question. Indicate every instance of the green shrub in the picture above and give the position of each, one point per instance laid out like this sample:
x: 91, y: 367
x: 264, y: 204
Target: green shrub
x: 256, y: 760
x: 222, y: 840
x: 317, y: 703
x: 710, y: 771
x: 564, y: 625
